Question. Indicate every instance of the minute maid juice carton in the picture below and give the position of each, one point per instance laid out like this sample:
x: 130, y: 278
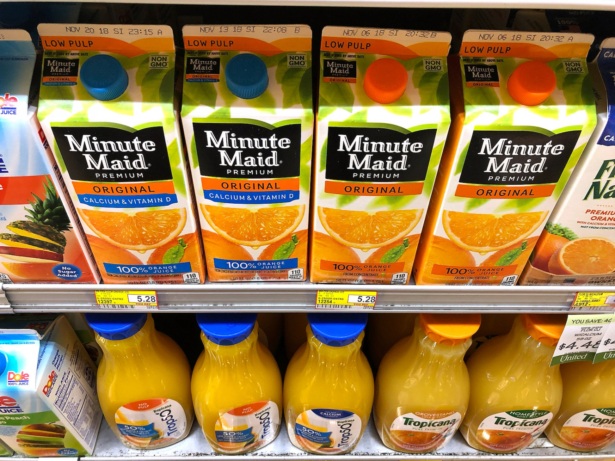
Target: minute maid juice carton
x: 577, y: 245
x: 382, y: 121
x: 107, y: 107
x: 523, y: 112
x: 248, y: 121
x: 40, y: 241
x: 48, y: 401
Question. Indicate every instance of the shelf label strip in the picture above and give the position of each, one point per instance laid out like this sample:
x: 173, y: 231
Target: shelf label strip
x: 128, y: 300
x: 346, y: 300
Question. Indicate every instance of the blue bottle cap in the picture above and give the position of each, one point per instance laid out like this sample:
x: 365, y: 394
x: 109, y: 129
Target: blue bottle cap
x: 116, y: 326
x: 103, y: 77
x: 226, y: 329
x: 4, y: 361
x: 246, y: 76
x: 337, y: 329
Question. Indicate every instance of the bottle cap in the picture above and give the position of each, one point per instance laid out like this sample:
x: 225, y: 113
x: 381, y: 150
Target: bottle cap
x: 450, y: 329
x: 246, y: 76
x: 337, y: 329
x: 116, y: 326
x: 4, y: 361
x: 531, y: 83
x: 545, y: 328
x: 385, y: 80
x: 103, y: 77
x: 226, y: 329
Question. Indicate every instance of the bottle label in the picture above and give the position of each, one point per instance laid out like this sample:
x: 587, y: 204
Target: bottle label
x: 152, y: 423
x: 424, y: 430
x: 512, y: 430
x: 247, y: 428
x: 590, y: 430
x: 327, y: 431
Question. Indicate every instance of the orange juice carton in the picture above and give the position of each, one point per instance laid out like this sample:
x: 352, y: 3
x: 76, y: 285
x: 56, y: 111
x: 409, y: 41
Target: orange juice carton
x: 40, y: 239
x: 48, y: 396
x: 248, y: 121
x: 577, y: 245
x: 523, y: 111
x: 382, y: 121
x: 107, y: 109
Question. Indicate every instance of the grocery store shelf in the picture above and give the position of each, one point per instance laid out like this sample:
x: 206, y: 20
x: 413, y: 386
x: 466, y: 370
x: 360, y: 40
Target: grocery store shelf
x: 292, y: 297
x: 195, y: 446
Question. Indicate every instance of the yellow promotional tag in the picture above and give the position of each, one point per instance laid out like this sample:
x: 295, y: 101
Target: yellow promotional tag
x: 140, y: 300
x: 346, y: 300
x: 593, y: 302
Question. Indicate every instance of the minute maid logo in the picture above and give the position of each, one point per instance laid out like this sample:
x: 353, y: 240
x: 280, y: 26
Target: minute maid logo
x: 8, y: 104
x: 17, y: 379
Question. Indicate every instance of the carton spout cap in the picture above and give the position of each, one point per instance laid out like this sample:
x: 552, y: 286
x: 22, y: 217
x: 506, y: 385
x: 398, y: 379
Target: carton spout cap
x: 385, y: 80
x: 531, y: 83
x: 246, y: 76
x: 103, y: 77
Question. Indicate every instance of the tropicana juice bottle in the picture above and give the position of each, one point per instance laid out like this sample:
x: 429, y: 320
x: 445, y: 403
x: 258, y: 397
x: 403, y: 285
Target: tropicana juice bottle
x: 329, y: 386
x: 143, y: 381
x: 586, y: 419
x: 514, y: 394
x: 422, y: 386
x: 236, y: 385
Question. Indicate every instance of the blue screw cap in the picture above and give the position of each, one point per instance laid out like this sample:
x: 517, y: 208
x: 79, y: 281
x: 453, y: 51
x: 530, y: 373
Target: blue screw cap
x: 103, y: 77
x: 116, y: 326
x: 337, y: 329
x: 226, y: 329
x: 246, y: 76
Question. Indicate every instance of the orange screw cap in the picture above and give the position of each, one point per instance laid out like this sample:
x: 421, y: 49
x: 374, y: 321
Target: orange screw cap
x: 385, y: 80
x: 545, y: 328
x: 531, y: 83
x: 450, y: 329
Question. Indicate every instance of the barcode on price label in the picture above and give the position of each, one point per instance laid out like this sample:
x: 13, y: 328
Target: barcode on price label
x: 130, y: 300
x: 593, y: 301
x: 346, y: 300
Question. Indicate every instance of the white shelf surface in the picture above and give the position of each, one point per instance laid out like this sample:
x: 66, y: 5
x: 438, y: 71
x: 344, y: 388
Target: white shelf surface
x: 108, y: 448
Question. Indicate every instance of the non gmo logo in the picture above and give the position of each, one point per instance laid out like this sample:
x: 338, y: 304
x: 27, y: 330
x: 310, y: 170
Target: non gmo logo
x: 9, y: 405
x: 573, y: 67
x: 297, y: 60
x: 8, y: 105
x: 51, y: 380
x: 159, y: 62
x: 17, y: 379
x: 432, y: 65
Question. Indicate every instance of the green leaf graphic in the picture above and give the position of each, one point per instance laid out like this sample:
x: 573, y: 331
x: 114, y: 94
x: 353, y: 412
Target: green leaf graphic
x: 343, y: 200
x: 474, y: 203
x: 338, y: 95
x: 291, y: 83
x: 360, y: 116
x: 442, y: 94
x: 394, y: 253
x: 305, y: 160
x: 285, y: 250
x: 177, y: 168
x: 462, y: 159
x: 322, y: 166
x: 511, y: 256
x: 175, y: 254
x: 305, y: 90
x: 197, y: 93
x: 481, y: 96
x: 264, y: 102
x: 428, y: 88
x: 55, y: 97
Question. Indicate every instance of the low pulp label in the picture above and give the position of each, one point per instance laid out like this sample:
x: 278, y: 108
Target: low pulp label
x: 590, y: 430
x: 512, y: 430
x: 424, y: 431
x: 248, y: 427
x: 327, y: 431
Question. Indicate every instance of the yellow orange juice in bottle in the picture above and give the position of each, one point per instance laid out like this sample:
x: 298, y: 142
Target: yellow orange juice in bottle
x: 422, y: 387
x: 236, y: 385
x: 586, y: 420
x: 514, y: 394
x: 329, y: 386
x: 143, y: 381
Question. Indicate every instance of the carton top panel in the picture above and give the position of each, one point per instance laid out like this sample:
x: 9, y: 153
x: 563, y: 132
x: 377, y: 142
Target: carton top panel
x: 608, y: 43
x: 17, y: 35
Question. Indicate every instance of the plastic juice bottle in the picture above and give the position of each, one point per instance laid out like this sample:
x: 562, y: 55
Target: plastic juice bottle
x: 514, y: 394
x: 236, y: 385
x: 248, y: 121
x: 422, y: 386
x: 143, y: 381
x: 382, y: 121
x: 516, y: 135
x: 107, y: 108
x: 384, y: 331
x: 586, y: 419
x: 329, y: 386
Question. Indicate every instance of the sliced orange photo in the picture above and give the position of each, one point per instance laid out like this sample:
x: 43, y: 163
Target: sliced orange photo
x: 584, y: 256
x: 368, y: 229
x: 490, y: 232
x: 140, y: 231
x: 253, y: 227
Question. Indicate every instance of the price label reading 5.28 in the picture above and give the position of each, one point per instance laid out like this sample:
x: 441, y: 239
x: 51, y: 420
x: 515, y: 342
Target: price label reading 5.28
x: 362, y: 299
x: 127, y: 300
x: 142, y: 299
x: 346, y: 300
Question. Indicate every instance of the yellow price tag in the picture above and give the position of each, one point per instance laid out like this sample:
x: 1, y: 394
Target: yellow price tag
x: 585, y: 301
x: 127, y: 299
x: 346, y: 300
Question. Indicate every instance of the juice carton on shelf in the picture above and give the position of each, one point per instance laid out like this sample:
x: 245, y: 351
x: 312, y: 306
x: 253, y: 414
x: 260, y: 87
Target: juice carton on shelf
x: 382, y: 122
x: 523, y: 112
x: 107, y: 107
x: 40, y: 239
x: 48, y: 401
x: 248, y: 121
x: 577, y: 245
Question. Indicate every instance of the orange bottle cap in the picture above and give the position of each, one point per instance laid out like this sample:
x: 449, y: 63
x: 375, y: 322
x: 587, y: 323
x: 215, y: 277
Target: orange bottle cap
x: 385, y: 80
x: 531, y: 83
x: 545, y: 328
x: 450, y: 329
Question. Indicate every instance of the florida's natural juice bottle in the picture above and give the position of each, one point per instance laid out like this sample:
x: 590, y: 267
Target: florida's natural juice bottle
x: 523, y: 111
x: 248, y: 121
x: 236, y: 385
x: 329, y: 386
x: 143, y: 381
x: 382, y: 120
x: 106, y: 106
x: 514, y: 394
x: 422, y: 386
x: 586, y: 419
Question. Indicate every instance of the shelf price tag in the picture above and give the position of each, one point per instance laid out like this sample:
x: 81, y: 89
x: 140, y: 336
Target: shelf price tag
x: 606, y: 350
x: 346, y: 300
x: 586, y: 301
x: 131, y: 300
x: 580, y: 339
